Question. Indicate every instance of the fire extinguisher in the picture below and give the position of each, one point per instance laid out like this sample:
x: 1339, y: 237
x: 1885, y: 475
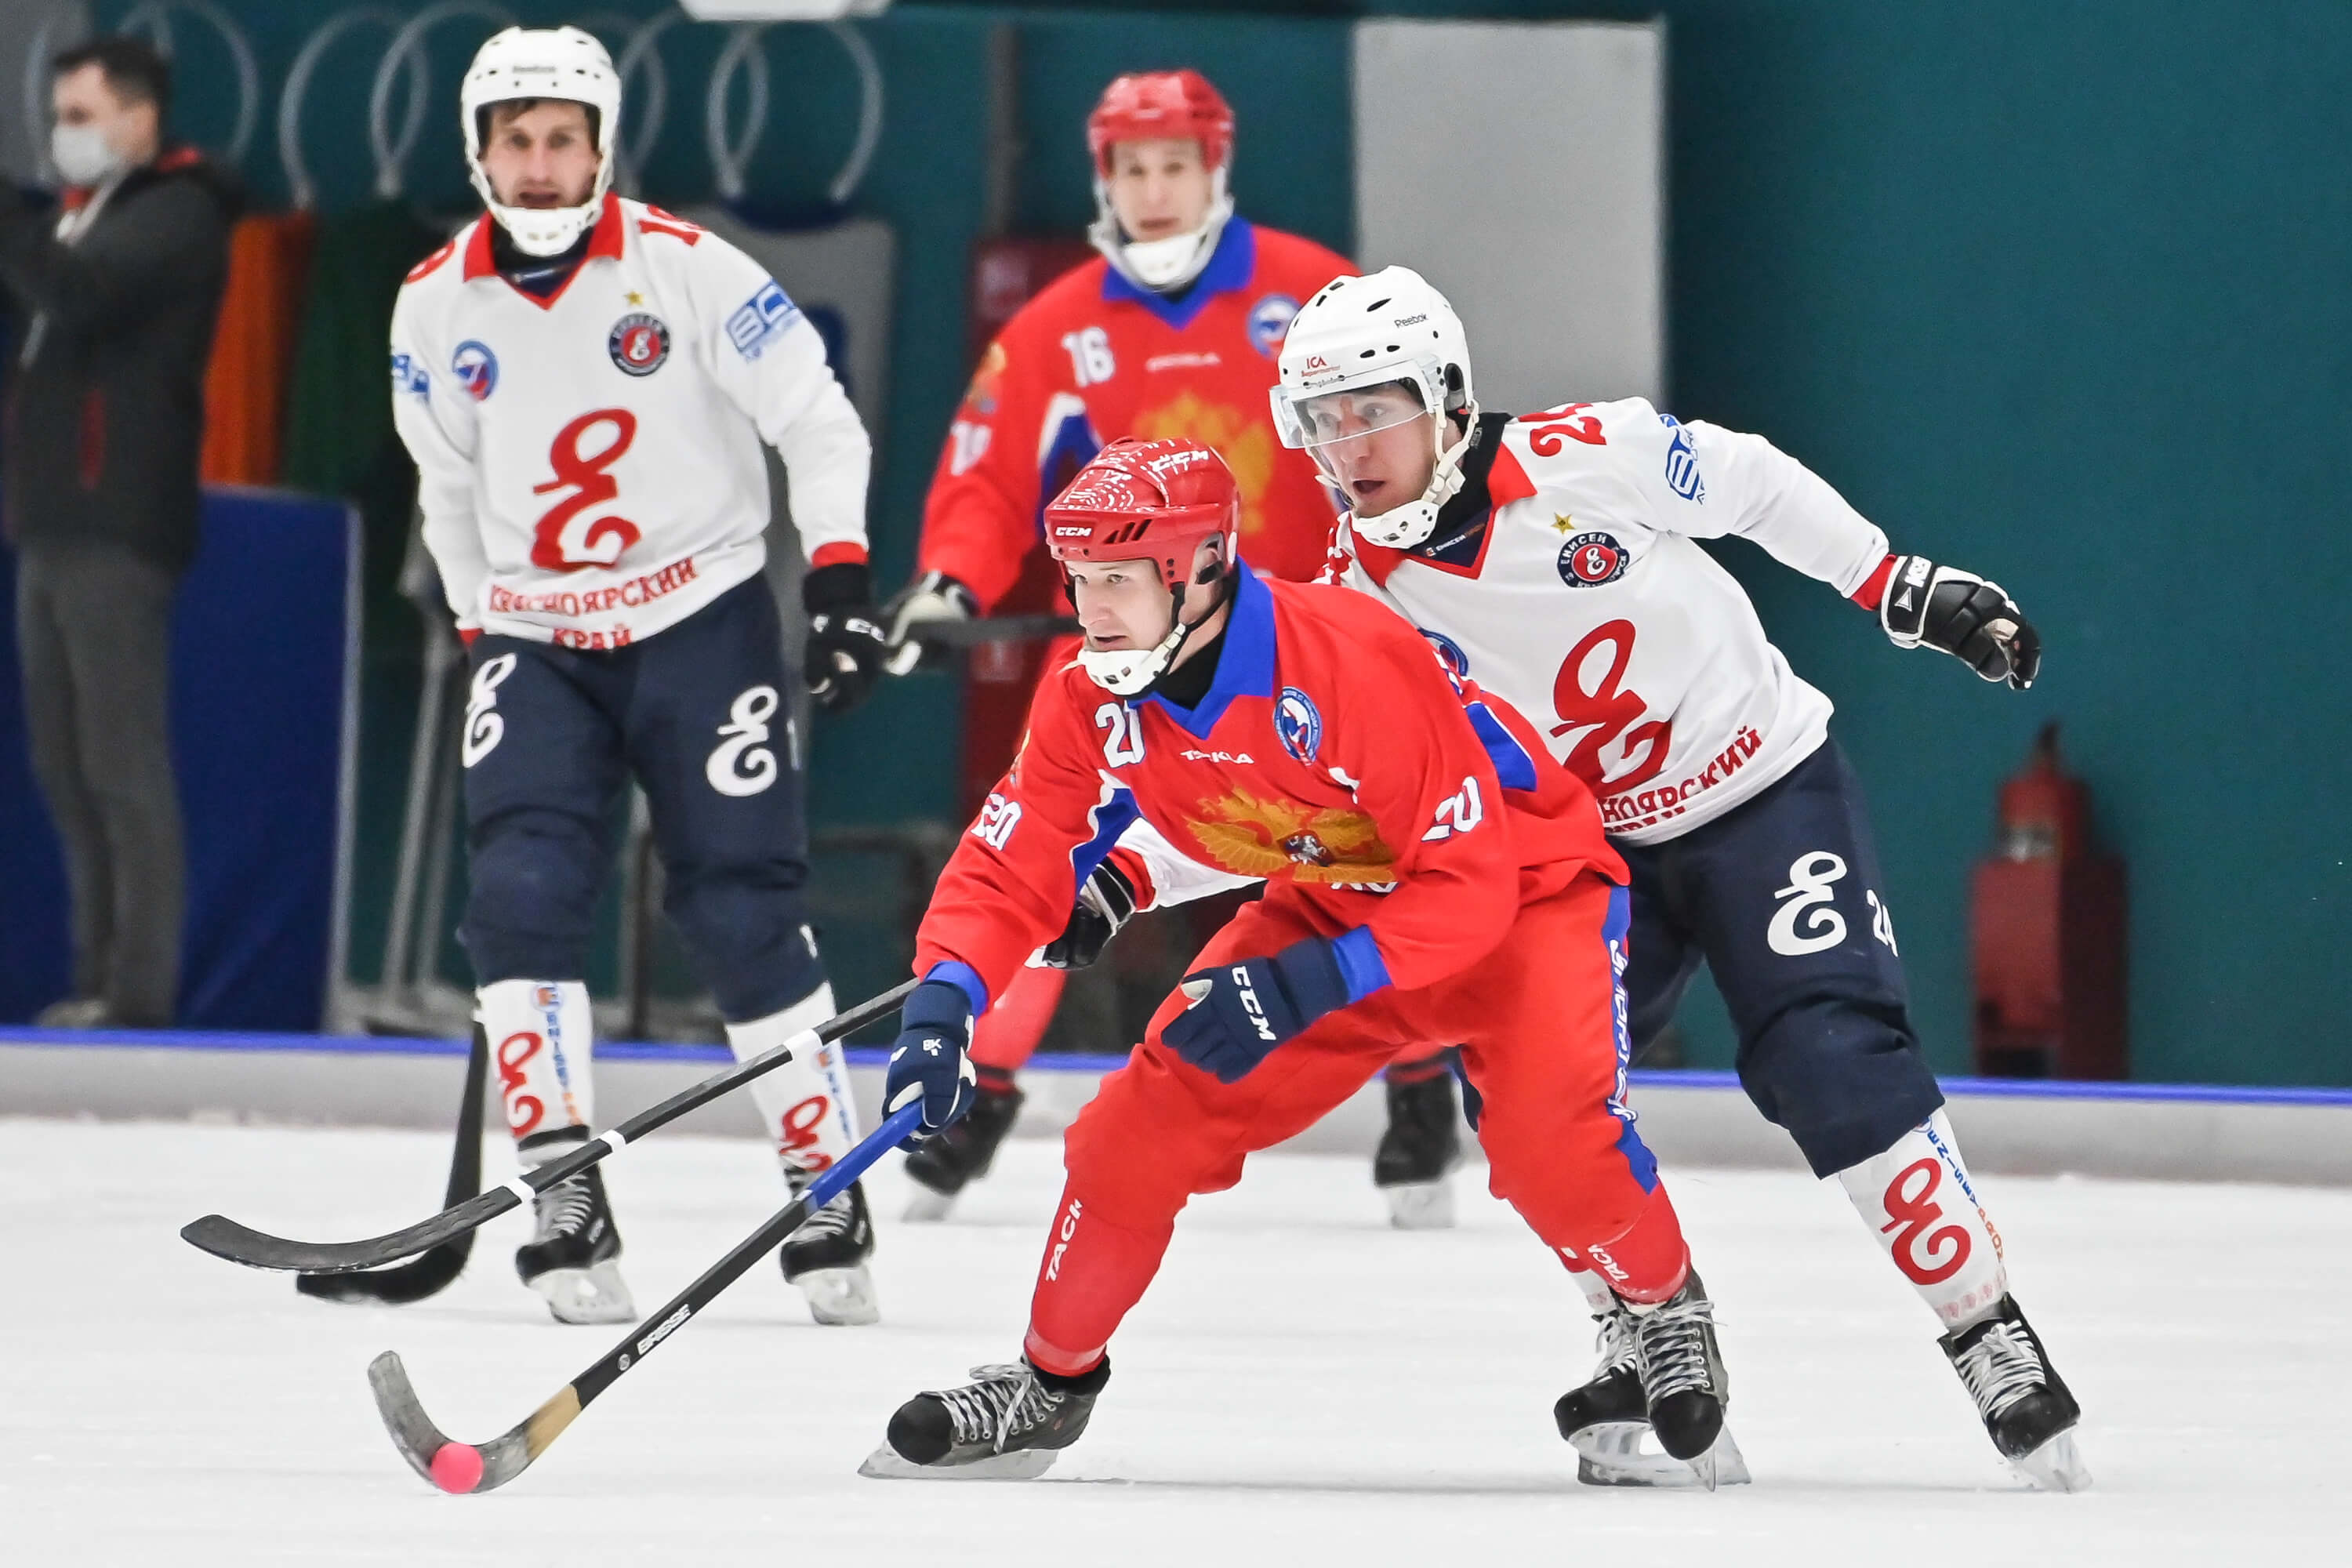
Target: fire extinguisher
x: 2047, y: 926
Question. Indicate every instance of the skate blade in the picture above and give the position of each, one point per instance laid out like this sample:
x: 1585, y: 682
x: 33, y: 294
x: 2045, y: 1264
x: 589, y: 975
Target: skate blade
x: 840, y: 1298
x: 885, y: 1464
x: 1610, y: 1454
x: 2055, y: 1467
x: 591, y: 1295
x: 926, y: 1205
x: 1421, y: 1205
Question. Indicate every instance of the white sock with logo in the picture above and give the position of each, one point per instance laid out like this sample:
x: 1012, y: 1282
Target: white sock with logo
x: 541, y: 1037
x: 1919, y: 1200
x: 805, y: 1105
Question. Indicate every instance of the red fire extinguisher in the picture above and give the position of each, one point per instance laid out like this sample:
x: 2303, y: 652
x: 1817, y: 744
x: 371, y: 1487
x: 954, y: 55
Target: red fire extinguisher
x: 2047, y: 923
x: 999, y: 677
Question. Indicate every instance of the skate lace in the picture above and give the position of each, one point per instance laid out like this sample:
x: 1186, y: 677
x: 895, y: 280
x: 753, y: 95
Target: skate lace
x: 1005, y: 1402
x: 2000, y: 1369
x: 1614, y: 1345
x: 839, y: 1217
x: 563, y: 1209
x: 1671, y: 1346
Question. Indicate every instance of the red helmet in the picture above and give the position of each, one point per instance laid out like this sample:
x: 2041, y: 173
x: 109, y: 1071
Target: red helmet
x: 1147, y: 105
x: 1152, y: 500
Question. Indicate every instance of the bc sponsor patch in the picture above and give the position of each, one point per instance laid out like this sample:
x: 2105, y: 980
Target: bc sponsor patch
x: 1589, y: 560
x: 408, y: 375
x: 475, y: 368
x: 639, y: 343
x: 758, y: 320
x: 1269, y: 323
x: 1681, y: 462
x: 1449, y: 652
x: 1298, y: 724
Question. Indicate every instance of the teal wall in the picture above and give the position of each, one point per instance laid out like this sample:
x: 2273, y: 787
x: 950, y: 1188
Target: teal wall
x: 2062, y: 293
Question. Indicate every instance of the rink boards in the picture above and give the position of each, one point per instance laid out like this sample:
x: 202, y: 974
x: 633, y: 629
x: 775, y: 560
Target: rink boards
x: 2189, y: 1133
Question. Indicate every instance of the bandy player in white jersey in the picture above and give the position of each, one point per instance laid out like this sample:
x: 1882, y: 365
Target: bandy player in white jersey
x: 1552, y: 557
x: 585, y: 384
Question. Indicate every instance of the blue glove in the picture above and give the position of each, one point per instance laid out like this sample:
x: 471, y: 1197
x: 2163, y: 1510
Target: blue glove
x: 928, y: 1063
x: 1238, y: 1013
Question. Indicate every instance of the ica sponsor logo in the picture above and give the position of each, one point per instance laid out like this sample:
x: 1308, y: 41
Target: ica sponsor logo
x: 639, y: 343
x: 1298, y: 724
x: 1589, y: 560
x: 475, y: 368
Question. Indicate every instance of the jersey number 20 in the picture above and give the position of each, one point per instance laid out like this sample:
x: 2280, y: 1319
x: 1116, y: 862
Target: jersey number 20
x: 564, y: 541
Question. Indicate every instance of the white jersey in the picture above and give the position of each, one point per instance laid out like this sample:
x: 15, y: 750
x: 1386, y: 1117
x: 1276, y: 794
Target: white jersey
x: 589, y: 465
x: 1583, y: 600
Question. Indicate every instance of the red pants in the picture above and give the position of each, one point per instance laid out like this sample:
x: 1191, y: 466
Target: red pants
x: 1540, y: 1021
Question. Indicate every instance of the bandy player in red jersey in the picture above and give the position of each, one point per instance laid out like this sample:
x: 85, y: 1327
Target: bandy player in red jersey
x: 586, y: 384
x: 1431, y: 877
x: 1173, y: 333
x: 1553, y: 558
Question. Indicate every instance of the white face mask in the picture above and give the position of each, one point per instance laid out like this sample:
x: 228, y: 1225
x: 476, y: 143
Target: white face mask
x: 82, y: 153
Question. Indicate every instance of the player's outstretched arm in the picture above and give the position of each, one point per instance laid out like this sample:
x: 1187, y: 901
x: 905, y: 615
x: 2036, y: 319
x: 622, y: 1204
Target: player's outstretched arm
x: 1960, y: 613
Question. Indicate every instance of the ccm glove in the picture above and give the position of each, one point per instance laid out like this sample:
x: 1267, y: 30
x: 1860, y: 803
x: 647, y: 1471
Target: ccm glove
x: 1237, y: 1013
x: 1105, y: 903
x: 844, y: 652
x: 1964, y: 616
x: 928, y: 1062
x: 933, y: 597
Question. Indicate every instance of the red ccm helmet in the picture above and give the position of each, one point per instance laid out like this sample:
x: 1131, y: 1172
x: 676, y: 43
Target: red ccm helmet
x: 1145, y: 106
x: 1156, y: 501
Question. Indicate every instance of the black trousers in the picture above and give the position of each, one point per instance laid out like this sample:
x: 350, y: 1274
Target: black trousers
x: 93, y: 636
x: 1780, y: 898
x: 699, y: 715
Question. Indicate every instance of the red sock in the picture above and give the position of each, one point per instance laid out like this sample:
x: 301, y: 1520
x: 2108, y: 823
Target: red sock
x: 1007, y: 1035
x: 1647, y: 1264
x: 1092, y: 1273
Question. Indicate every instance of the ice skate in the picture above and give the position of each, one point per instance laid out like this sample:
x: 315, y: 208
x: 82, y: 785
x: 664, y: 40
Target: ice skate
x: 1007, y: 1424
x: 2027, y: 1410
x: 1651, y: 1413
x: 1419, y: 1148
x: 824, y: 1259
x: 946, y: 1164
x: 573, y: 1258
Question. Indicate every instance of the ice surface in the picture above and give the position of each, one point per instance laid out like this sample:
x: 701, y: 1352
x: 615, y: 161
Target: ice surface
x: 1304, y: 1385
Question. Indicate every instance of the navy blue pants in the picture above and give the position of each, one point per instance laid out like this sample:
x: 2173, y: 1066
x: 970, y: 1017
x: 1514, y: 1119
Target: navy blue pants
x: 698, y: 715
x: 1780, y: 898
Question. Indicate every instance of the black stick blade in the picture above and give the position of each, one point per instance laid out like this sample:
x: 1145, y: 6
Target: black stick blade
x: 428, y: 1276
x: 461, y: 1468
x: 225, y: 1238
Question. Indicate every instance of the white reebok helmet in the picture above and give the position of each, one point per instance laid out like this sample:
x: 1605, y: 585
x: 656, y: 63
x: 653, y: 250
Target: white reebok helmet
x: 1360, y: 334
x: 542, y: 62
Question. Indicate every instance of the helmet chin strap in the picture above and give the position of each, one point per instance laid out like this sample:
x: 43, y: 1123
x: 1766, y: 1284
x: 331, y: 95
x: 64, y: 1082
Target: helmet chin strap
x: 1162, y: 266
x: 546, y: 231
x: 1133, y: 672
x: 1410, y: 524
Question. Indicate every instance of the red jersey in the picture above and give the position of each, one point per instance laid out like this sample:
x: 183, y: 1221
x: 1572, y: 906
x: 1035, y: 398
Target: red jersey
x: 1333, y: 756
x: 1094, y: 358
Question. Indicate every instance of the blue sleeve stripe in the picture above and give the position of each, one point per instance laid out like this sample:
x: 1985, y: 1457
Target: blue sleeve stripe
x: 1112, y: 818
x: 1359, y: 954
x: 964, y: 978
x: 1514, y: 768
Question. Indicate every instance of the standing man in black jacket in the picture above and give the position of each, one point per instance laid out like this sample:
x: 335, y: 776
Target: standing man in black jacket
x: 114, y: 299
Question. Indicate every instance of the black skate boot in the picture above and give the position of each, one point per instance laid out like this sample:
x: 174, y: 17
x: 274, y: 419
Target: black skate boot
x: 824, y: 1259
x: 2027, y: 1410
x: 1421, y: 1146
x: 1006, y: 1426
x: 573, y: 1258
x: 944, y: 1165
x: 1660, y: 1374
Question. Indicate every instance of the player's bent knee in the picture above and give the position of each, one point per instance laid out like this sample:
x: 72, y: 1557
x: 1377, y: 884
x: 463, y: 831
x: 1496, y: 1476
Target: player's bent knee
x: 1843, y: 1082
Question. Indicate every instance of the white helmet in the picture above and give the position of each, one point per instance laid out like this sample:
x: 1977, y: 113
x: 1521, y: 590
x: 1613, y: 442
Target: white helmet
x: 542, y: 62
x: 1361, y: 333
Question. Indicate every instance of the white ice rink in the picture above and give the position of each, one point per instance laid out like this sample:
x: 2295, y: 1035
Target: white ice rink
x: 1303, y: 1385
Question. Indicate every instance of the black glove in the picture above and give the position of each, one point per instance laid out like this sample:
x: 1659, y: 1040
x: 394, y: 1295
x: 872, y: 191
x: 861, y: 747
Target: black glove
x: 933, y: 597
x: 1106, y: 902
x: 845, y: 637
x: 1964, y: 616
